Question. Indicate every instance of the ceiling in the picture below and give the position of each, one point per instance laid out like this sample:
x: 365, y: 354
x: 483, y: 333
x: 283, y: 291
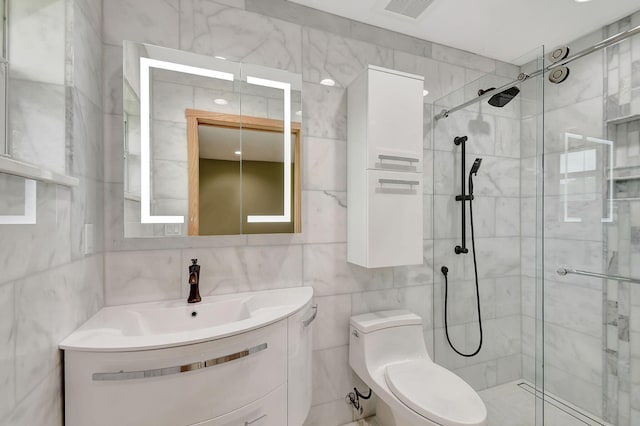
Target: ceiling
x: 500, y: 29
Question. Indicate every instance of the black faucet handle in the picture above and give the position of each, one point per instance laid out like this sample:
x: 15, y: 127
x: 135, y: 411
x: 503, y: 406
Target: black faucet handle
x: 194, y: 261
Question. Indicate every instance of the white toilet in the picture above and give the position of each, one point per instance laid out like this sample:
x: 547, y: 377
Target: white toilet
x: 387, y: 351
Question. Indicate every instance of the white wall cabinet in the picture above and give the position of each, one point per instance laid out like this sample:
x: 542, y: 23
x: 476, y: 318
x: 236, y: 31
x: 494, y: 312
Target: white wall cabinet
x: 384, y: 169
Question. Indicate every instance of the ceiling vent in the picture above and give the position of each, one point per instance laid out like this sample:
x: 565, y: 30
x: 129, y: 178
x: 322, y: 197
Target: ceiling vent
x: 408, y: 8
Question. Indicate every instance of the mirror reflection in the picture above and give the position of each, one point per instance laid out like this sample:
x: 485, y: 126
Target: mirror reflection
x: 212, y: 147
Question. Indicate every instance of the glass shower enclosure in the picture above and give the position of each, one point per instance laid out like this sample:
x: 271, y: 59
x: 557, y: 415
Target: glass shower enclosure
x: 556, y: 212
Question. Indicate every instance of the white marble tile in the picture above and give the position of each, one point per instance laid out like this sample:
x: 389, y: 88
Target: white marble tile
x: 528, y: 215
x: 498, y: 176
x: 43, y: 406
x: 237, y: 269
x: 143, y: 276
x: 327, y: 55
x: 497, y: 257
x: 7, y: 348
x: 507, y: 137
x: 332, y: 324
x: 509, y: 368
x: 85, y: 154
x: 170, y: 100
x: 480, y: 129
x: 324, y: 216
x: 480, y: 376
x: 112, y: 79
x: 461, y: 302
x: 324, y: 164
x: 577, y: 354
x: 574, y: 389
x: 446, y: 167
x: 45, y: 244
x: 42, y: 103
x: 324, y: 111
x: 586, y: 82
x: 92, y: 9
x: 170, y: 179
x: 505, y: 69
x: 462, y: 58
x: 327, y: 271
x: 87, y: 53
x: 217, y: 30
x: 440, y: 78
x: 443, y: 354
x: 145, y: 21
x: 582, y: 118
x: 573, y: 307
x: 427, y: 217
x: 49, y: 306
x: 37, y: 41
x: 508, y: 296
x: 508, y: 217
x: 332, y: 375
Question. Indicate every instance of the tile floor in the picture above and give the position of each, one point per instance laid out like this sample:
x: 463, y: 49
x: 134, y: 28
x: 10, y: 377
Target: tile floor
x: 513, y: 404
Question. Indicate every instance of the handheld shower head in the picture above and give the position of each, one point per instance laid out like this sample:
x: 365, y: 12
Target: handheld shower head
x: 476, y: 166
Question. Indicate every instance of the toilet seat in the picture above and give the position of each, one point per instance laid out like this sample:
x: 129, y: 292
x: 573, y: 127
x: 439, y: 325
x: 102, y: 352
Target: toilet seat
x: 435, y: 393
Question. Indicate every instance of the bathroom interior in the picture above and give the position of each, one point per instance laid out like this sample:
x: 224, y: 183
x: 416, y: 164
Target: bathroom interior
x: 490, y: 279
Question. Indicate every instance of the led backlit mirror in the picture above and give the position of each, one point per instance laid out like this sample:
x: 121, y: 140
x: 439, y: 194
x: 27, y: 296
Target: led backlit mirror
x: 212, y: 147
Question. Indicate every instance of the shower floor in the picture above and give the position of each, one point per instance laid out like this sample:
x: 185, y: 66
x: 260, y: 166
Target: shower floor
x: 513, y: 404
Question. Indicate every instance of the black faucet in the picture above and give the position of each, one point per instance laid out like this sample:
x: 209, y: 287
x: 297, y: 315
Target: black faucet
x: 194, y: 282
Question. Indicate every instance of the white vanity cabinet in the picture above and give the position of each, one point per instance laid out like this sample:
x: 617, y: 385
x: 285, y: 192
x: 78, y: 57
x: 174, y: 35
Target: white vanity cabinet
x: 259, y: 377
x: 385, y: 168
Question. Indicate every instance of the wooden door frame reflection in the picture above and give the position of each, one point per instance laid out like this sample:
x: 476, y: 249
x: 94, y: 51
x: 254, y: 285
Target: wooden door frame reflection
x: 196, y: 118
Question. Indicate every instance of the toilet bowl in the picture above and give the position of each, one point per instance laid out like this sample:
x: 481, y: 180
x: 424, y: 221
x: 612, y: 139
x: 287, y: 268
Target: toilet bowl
x: 387, y: 351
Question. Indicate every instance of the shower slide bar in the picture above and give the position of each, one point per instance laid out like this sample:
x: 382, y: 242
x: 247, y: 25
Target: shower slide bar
x: 522, y: 77
x: 565, y: 271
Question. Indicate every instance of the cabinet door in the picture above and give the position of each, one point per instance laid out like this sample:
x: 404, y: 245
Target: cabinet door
x: 394, y: 121
x: 395, y: 218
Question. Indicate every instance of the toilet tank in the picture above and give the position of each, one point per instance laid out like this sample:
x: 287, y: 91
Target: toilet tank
x: 380, y: 338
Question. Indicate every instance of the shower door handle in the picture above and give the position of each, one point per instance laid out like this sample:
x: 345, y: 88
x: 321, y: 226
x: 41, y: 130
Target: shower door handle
x: 566, y: 271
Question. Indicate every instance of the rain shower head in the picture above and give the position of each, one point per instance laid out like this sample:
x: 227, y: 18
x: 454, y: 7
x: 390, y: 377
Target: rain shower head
x: 501, y: 99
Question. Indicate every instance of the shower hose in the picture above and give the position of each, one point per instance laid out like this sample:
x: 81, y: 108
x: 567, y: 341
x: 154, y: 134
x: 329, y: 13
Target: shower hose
x: 446, y: 284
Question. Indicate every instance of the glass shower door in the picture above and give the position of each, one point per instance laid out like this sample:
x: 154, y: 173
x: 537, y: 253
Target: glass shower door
x: 591, y: 214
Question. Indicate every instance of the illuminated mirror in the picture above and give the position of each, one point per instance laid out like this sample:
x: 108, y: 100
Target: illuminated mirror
x: 212, y: 147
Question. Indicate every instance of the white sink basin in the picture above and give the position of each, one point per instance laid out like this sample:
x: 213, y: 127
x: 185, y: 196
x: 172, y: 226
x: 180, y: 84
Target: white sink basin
x: 176, y: 322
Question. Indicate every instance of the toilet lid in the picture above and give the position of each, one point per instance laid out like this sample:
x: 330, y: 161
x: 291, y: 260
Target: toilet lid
x: 436, y: 393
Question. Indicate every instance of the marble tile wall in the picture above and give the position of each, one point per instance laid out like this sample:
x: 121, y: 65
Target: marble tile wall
x: 281, y: 34
x: 50, y: 284
x: 493, y: 135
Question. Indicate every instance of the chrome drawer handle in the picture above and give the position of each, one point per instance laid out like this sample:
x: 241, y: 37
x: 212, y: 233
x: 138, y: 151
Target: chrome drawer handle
x: 247, y: 423
x: 398, y: 182
x: 396, y: 158
x: 308, y: 321
x: 156, y: 372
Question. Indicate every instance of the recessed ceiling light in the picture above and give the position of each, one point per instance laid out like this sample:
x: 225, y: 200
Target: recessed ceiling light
x: 220, y: 101
x: 238, y: 153
x: 220, y: 57
x: 327, y: 82
x: 425, y: 92
x: 581, y: 1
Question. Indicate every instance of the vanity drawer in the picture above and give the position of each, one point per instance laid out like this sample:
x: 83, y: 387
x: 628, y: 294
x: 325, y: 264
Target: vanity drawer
x: 268, y: 411
x: 175, y: 386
